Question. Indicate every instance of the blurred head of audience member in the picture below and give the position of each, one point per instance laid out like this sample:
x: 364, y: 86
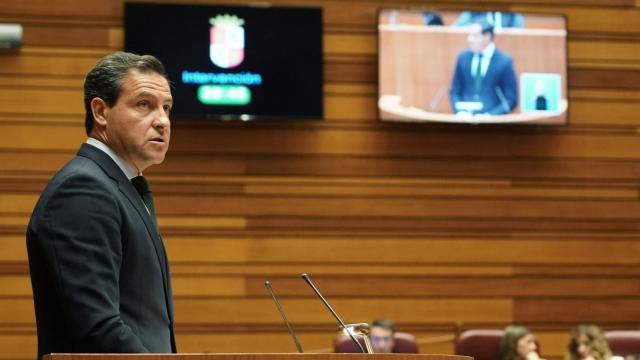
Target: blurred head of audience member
x: 381, y: 334
x: 518, y: 343
x: 432, y: 18
x: 588, y: 343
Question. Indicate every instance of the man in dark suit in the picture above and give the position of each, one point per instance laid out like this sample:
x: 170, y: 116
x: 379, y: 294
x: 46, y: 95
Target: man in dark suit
x: 99, y: 270
x: 484, y: 80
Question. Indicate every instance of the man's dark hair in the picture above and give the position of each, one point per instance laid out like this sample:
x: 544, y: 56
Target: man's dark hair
x: 105, y: 79
x: 486, y: 28
x: 386, y: 324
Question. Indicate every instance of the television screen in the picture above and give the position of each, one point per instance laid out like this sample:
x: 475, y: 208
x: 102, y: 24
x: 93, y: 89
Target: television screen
x: 234, y: 62
x: 478, y: 67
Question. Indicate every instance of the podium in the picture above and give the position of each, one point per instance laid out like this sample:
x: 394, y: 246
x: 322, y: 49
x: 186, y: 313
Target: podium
x: 253, y: 356
x: 391, y: 106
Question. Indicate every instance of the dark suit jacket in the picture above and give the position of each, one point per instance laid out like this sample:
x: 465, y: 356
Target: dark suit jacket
x: 98, y: 266
x: 500, y: 75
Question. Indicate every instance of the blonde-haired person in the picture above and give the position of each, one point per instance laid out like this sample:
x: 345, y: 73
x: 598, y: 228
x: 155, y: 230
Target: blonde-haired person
x: 588, y: 343
x: 518, y: 343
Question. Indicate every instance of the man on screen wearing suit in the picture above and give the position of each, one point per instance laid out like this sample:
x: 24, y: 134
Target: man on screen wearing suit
x: 484, y: 80
x: 98, y: 266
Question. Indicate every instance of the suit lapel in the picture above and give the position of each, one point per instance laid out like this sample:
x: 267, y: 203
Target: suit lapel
x: 467, y: 68
x: 493, y: 63
x: 130, y: 192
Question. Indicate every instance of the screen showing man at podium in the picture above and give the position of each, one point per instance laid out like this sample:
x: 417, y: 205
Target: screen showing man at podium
x: 476, y: 67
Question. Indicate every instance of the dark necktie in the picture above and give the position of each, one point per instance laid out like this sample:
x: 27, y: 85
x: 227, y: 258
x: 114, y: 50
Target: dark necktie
x: 141, y: 184
x: 477, y: 80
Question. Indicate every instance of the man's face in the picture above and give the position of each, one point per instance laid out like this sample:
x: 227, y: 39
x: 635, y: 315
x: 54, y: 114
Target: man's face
x: 138, y: 126
x: 477, y: 40
x: 381, y: 340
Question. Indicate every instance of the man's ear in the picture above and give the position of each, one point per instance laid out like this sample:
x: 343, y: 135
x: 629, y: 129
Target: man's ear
x: 99, y: 109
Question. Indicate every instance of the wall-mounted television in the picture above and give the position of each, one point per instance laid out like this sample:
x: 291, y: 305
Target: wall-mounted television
x: 477, y: 67
x: 234, y: 62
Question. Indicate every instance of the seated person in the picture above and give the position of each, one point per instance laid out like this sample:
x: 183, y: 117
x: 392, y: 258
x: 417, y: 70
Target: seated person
x: 588, y: 343
x: 383, y: 339
x: 518, y: 343
x: 484, y: 79
x: 381, y: 334
x: 432, y: 18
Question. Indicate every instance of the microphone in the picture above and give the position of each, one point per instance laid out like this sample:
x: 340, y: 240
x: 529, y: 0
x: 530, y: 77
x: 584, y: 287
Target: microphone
x: 267, y: 284
x: 306, y: 278
x: 503, y: 100
x: 436, y: 98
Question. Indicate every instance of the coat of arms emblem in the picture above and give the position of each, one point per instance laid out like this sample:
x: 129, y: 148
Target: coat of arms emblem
x: 226, y: 49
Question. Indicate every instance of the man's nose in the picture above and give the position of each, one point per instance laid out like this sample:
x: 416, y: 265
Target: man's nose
x: 162, y: 119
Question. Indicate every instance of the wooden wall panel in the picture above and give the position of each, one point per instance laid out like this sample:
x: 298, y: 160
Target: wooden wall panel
x: 441, y: 228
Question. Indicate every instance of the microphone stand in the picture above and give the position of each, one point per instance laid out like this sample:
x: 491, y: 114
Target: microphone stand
x: 306, y: 278
x: 267, y: 284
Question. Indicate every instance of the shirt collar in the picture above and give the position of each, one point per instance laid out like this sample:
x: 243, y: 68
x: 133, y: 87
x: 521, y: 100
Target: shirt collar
x: 127, y: 168
x: 487, y: 53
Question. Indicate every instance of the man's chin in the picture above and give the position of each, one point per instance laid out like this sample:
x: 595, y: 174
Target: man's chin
x: 158, y: 160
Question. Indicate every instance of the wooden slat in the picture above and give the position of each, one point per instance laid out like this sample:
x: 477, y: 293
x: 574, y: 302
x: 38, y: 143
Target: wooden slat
x: 17, y: 310
x: 310, y: 310
x: 52, y: 83
x: 335, y: 249
x: 63, y: 102
x: 74, y: 35
x: 391, y: 287
x: 41, y: 64
x: 213, y: 205
x: 599, y: 112
x: 259, y: 342
x: 398, y: 250
x: 15, y: 285
x: 599, y: 271
x: 379, y: 187
x: 333, y: 141
x: 355, y: 225
x: 281, y: 342
x: 18, y: 346
x: 46, y: 162
x: 70, y: 8
x: 623, y: 51
x: 402, y: 287
x: 603, y: 78
x: 438, y: 190
x: 12, y: 222
x: 380, y: 286
x: 587, y: 310
x: 287, y: 269
x: 386, y: 207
